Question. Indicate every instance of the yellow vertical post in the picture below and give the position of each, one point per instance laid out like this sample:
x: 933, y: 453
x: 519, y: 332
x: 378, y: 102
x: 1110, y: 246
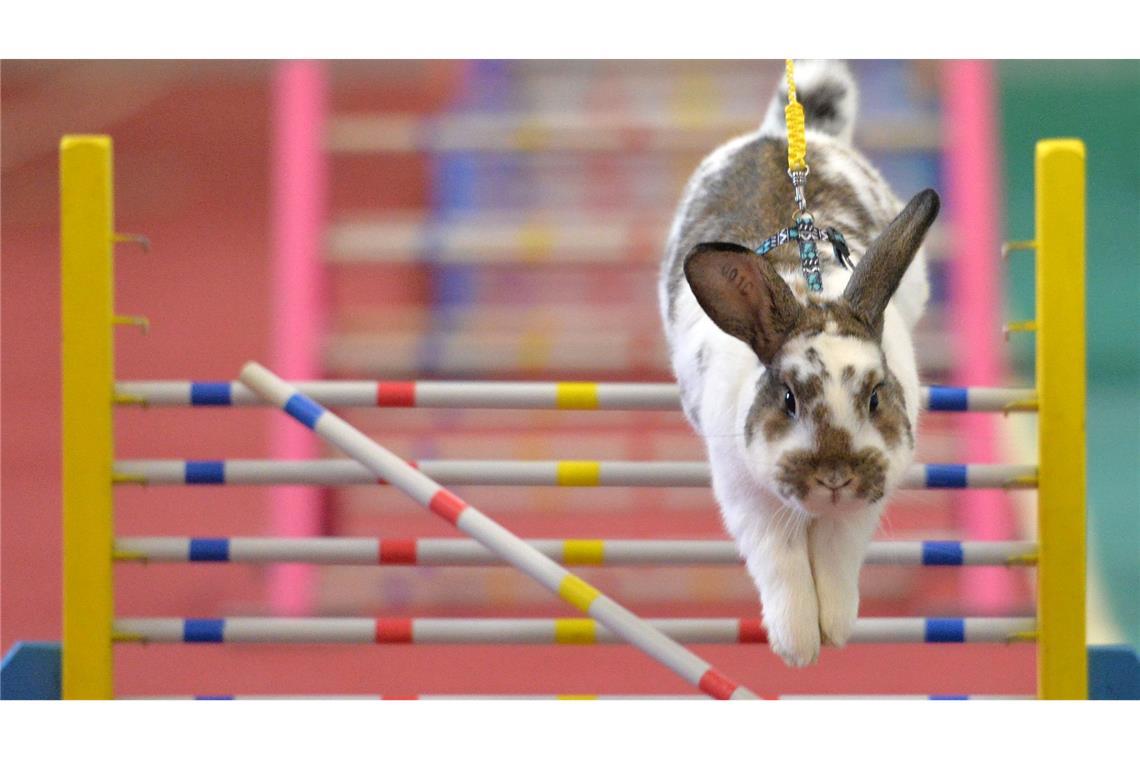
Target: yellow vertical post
x: 87, y: 301
x: 1062, y: 661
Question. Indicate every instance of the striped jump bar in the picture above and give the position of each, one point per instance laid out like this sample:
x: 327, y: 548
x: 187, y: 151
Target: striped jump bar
x: 344, y: 472
x: 552, y: 697
x: 430, y: 394
x: 448, y: 552
x: 381, y: 462
x: 570, y: 631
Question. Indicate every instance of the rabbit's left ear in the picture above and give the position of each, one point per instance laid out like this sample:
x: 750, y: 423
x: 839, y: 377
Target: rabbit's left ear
x: 879, y: 272
x: 743, y: 295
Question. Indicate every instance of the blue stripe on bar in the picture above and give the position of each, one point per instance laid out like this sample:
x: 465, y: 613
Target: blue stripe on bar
x: 948, y: 696
x: 945, y: 476
x: 210, y: 394
x: 205, y: 471
x: 203, y: 630
x: 945, y: 630
x: 212, y: 697
x: 209, y: 550
x: 304, y: 409
x: 942, y: 553
x: 944, y: 398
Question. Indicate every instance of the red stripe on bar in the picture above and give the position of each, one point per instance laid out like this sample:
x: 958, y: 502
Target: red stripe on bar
x: 752, y: 632
x: 403, y: 697
x: 716, y: 684
x: 397, y: 551
x: 393, y: 630
x: 447, y: 505
x: 395, y: 394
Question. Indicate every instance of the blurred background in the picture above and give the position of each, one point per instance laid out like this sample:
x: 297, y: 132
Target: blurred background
x: 504, y: 220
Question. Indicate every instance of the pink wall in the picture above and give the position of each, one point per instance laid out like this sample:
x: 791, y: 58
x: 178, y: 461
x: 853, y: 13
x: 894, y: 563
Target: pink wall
x: 974, y: 214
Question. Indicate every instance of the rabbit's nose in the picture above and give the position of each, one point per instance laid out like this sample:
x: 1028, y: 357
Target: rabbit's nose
x: 834, y: 478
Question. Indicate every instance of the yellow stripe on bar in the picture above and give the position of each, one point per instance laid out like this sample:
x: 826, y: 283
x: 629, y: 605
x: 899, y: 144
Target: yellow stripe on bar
x: 119, y: 478
x: 579, y: 593
x: 536, y: 240
x: 121, y: 556
x: 1062, y: 670
x: 575, y: 631
x: 1025, y: 405
x: 575, y: 697
x: 577, y: 395
x: 571, y: 473
x: 583, y: 552
x: 531, y: 135
x: 534, y: 350
x: 127, y: 638
x: 87, y: 362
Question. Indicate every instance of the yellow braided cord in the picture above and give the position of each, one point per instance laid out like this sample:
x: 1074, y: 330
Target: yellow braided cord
x: 794, y: 117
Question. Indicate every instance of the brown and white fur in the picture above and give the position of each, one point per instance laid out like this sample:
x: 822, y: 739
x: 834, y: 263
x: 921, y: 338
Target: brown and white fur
x: 807, y: 403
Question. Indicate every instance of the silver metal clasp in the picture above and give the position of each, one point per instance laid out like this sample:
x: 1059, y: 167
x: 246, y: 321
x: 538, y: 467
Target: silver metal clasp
x: 799, y: 180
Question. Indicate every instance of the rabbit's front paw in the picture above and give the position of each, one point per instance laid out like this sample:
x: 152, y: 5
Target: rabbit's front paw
x: 795, y: 639
x: 838, y: 610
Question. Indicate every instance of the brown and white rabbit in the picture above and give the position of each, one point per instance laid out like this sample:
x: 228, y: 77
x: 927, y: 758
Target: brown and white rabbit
x: 808, y: 402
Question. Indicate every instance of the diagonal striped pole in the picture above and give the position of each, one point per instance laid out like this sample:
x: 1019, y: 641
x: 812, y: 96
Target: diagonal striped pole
x: 498, y: 539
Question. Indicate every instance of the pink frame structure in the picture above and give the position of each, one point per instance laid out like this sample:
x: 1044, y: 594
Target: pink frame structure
x: 971, y: 163
x: 299, y: 196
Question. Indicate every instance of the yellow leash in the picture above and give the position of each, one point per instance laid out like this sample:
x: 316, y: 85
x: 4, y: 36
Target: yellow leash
x: 794, y: 117
x: 803, y: 230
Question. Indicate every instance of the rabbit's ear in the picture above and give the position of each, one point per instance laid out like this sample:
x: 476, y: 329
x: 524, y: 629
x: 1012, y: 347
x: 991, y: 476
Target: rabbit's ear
x: 879, y: 272
x: 743, y: 295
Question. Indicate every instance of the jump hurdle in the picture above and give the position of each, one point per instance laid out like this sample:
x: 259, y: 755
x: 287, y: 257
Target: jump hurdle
x: 567, y: 631
x: 491, y: 395
x: 561, y: 473
x: 449, y: 552
x: 531, y: 697
x: 91, y: 473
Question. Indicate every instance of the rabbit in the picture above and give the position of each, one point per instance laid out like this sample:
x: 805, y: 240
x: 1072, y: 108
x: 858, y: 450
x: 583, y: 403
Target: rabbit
x: 807, y: 402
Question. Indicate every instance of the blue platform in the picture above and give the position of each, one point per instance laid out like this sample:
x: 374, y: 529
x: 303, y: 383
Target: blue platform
x: 31, y: 670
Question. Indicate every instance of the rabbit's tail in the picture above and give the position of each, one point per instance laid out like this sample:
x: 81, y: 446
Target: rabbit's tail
x: 827, y: 91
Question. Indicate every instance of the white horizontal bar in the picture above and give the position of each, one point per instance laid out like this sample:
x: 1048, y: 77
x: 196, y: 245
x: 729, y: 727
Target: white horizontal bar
x: 489, y: 239
x: 484, y: 240
x: 447, y: 552
x: 575, y: 131
x: 463, y: 350
x: 342, y: 472
x: 543, y: 630
x: 510, y: 395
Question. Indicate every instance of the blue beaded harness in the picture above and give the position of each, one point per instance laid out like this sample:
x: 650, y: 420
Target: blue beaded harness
x: 807, y: 235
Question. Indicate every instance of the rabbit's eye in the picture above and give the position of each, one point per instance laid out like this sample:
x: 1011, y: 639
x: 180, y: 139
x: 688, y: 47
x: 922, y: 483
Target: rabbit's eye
x: 789, y: 402
x: 874, y: 403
